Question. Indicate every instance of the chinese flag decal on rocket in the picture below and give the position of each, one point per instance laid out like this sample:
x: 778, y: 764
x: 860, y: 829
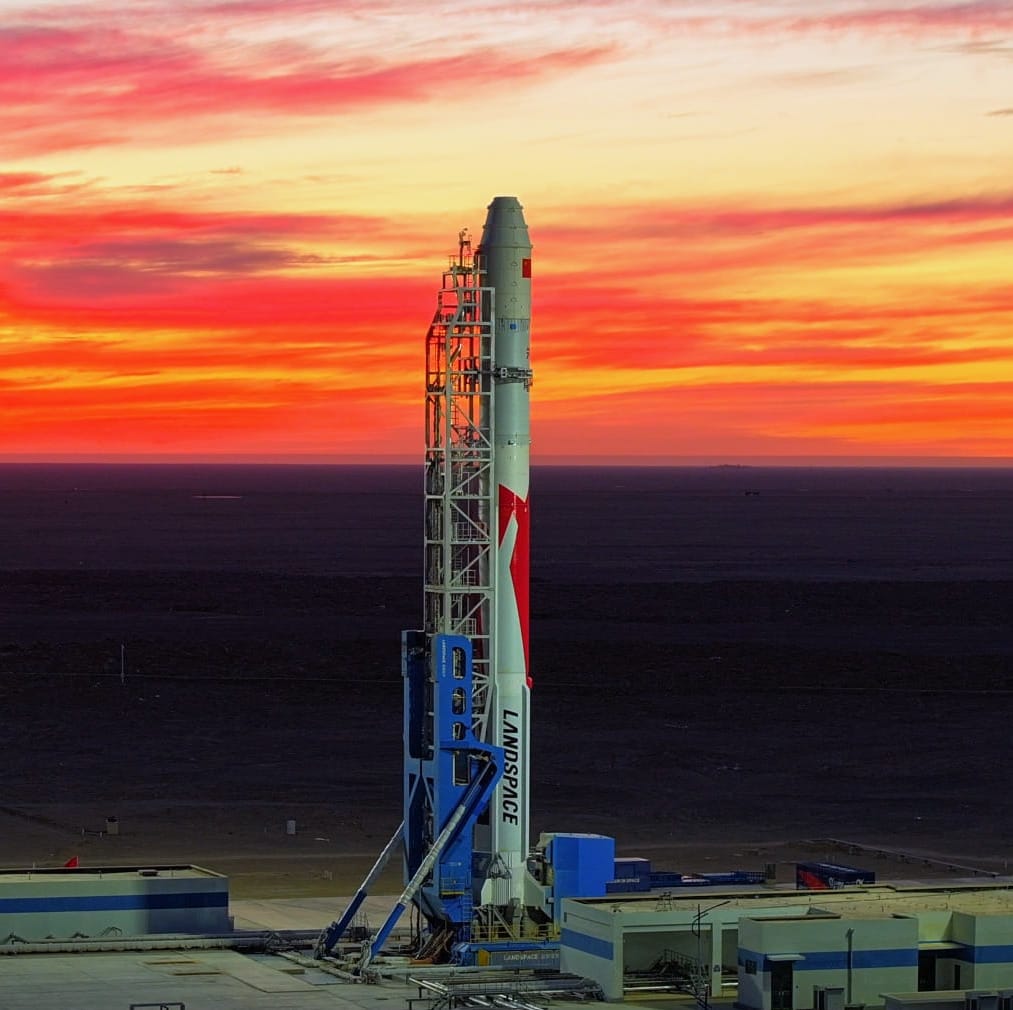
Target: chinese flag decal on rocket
x: 512, y: 506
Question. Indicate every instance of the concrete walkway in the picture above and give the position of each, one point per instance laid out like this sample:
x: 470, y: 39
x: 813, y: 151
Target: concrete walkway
x: 201, y: 979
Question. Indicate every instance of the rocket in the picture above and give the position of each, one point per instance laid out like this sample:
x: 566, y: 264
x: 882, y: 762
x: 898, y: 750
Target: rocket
x: 504, y: 257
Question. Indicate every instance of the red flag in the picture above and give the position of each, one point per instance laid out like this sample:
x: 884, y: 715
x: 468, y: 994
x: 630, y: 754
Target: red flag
x: 73, y: 863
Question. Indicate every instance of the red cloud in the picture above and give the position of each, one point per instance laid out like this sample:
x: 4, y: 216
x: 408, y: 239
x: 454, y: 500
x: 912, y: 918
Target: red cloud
x: 66, y: 262
x: 666, y: 287
x: 146, y: 266
x: 91, y: 85
x: 267, y: 320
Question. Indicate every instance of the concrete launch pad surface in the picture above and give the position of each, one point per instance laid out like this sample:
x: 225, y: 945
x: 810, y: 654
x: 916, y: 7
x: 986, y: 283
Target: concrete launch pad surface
x: 216, y: 980
x: 305, y: 913
x: 201, y: 980
x: 207, y: 979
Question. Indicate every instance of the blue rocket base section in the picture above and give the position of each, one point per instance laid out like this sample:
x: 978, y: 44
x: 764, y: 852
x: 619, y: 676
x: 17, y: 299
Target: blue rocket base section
x: 442, y: 758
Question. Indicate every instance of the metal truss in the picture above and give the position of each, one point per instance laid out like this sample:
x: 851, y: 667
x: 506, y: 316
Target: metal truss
x: 460, y: 542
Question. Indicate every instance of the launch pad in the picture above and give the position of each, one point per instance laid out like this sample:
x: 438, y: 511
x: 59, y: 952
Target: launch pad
x: 480, y: 891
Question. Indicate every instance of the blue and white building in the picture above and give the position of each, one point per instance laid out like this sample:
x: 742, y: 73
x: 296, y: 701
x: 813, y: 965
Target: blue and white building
x: 779, y: 949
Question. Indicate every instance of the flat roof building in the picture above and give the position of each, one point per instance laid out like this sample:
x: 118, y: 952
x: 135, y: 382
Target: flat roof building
x: 119, y: 901
x: 755, y: 943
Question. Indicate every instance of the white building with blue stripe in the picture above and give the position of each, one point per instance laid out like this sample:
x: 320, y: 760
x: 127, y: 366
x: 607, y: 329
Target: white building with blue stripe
x: 96, y: 902
x: 784, y: 961
x: 779, y: 949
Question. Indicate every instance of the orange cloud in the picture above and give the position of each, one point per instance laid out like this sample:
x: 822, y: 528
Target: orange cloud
x: 153, y: 330
x: 217, y: 330
x: 671, y: 287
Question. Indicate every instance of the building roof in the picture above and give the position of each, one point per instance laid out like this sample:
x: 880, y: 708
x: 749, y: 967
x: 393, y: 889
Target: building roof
x: 972, y: 896
x: 72, y: 875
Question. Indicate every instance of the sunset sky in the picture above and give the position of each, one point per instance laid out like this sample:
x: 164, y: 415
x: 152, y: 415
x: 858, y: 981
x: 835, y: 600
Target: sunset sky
x: 761, y: 229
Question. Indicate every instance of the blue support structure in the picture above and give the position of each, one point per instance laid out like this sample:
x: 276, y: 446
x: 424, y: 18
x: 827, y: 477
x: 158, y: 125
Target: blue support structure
x: 448, y: 773
x: 474, y: 800
x: 449, y: 777
x: 332, y: 933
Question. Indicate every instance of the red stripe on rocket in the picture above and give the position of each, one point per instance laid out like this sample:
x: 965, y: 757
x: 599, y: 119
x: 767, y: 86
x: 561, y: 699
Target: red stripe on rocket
x: 514, y: 512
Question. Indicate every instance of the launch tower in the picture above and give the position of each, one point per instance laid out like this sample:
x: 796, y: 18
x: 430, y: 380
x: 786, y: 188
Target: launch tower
x: 466, y: 672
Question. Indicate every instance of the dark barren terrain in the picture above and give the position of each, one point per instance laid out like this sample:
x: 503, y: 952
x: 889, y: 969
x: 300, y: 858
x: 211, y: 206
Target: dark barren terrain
x: 727, y: 662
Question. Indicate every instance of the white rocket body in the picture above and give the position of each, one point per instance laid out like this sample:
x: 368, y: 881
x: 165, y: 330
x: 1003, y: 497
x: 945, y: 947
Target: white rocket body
x: 505, y: 251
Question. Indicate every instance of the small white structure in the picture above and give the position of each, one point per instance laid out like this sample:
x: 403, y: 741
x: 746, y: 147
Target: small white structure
x: 799, y: 961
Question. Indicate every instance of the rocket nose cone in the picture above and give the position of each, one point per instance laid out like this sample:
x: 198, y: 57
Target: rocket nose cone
x: 505, y: 224
x: 505, y: 202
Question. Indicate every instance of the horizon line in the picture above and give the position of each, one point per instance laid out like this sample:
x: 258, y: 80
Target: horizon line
x: 395, y: 459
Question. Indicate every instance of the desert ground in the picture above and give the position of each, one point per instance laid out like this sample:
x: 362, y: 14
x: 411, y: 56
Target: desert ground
x: 205, y: 670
